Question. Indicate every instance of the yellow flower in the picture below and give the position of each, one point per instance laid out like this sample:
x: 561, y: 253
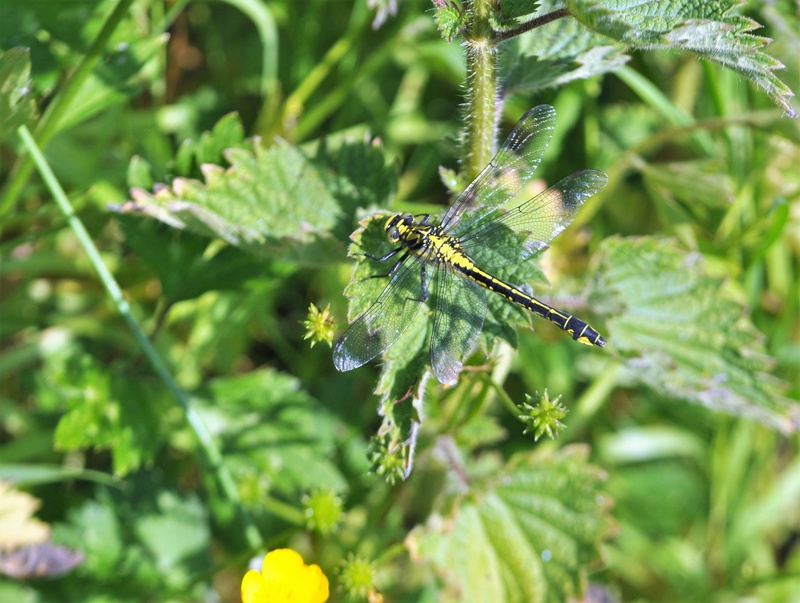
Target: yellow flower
x: 284, y: 578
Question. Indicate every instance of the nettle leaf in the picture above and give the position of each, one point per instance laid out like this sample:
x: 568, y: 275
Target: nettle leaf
x: 512, y: 9
x: 270, y: 201
x: 557, y: 53
x: 274, y: 202
x: 684, y: 335
x: 355, y: 172
x: 709, y: 30
x: 274, y: 435
x: 16, y: 99
x: 527, y: 533
x: 449, y: 19
x: 369, y: 276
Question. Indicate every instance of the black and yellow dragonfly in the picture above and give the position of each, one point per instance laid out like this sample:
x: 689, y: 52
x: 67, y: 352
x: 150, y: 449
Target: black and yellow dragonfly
x: 474, y: 235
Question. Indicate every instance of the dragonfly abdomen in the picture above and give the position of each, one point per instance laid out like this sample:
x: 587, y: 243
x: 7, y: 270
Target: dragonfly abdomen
x: 579, y: 329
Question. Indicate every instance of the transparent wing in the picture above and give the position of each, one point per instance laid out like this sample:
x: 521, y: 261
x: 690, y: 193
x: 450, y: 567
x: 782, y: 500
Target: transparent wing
x: 512, y: 166
x: 384, y: 321
x: 513, y: 236
x: 460, y: 312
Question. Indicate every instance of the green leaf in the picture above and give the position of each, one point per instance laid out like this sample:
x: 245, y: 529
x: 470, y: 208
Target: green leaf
x: 173, y: 533
x: 355, y: 172
x: 142, y: 538
x: 271, y: 202
x: 512, y: 9
x: 709, y: 30
x: 401, y: 387
x: 227, y: 133
x: 182, y: 263
x: 95, y: 529
x: 525, y: 533
x: 273, y: 433
x: 274, y: 202
x: 683, y: 333
x: 557, y: 53
x: 104, y: 410
x: 450, y: 20
x: 16, y: 99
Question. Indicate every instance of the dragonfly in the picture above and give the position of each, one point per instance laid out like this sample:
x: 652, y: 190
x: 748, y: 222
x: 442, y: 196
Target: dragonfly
x: 454, y: 257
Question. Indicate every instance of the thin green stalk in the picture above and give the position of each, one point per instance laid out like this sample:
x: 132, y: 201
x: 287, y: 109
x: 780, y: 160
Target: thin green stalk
x: 260, y: 14
x: 296, y: 101
x: 170, y: 17
x: 48, y: 124
x: 209, y: 449
x: 655, y: 98
x: 506, y: 399
x: 334, y: 99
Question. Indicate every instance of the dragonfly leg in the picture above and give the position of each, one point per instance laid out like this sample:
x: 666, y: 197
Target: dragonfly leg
x: 396, y: 266
x: 423, y: 277
x: 383, y: 258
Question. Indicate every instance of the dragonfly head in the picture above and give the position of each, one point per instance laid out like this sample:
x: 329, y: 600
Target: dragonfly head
x: 397, y: 226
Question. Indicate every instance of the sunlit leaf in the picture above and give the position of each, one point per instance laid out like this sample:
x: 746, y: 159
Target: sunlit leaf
x: 682, y: 333
x: 526, y: 533
x: 709, y: 30
x: 274, y: 434
x: 274, y: 202
x: 557, y: 53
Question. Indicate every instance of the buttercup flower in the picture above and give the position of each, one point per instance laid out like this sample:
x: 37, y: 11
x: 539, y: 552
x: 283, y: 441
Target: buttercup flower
x: 284, y: 578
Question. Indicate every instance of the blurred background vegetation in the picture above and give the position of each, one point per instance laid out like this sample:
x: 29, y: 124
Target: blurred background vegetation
x: 219, y: 154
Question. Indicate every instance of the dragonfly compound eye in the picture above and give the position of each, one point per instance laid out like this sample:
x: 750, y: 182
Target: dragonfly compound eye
x: 392, y: 232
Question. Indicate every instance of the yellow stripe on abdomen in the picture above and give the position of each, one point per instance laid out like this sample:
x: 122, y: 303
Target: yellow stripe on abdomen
x: 576, y: 327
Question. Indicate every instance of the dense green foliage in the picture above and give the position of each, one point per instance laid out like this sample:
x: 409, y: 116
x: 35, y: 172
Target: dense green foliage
x: 161, y: 426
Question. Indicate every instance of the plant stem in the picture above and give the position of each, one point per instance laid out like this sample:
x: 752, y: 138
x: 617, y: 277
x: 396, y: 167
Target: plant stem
x: 212, y: 454
x: 481, y: 109
x: 502, y: 36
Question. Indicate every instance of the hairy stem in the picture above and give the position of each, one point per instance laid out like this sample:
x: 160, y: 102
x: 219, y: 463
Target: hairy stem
x: 481, y: 109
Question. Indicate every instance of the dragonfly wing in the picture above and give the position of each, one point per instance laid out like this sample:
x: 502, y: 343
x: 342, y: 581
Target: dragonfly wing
x: 384, y: 321
x: 460, y: 312
x: 512, y: 166
x: 513, y: 236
